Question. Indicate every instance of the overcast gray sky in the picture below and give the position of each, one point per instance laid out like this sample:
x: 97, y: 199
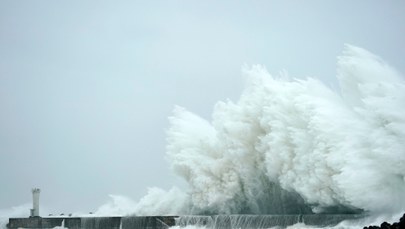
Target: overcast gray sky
x: 86, y: 86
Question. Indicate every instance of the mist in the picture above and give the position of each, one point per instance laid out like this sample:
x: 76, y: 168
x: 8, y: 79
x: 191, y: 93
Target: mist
x: 86, y: 87
x: 293, y: 146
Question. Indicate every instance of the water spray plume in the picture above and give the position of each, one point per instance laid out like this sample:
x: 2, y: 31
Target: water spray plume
x: 296, y: 146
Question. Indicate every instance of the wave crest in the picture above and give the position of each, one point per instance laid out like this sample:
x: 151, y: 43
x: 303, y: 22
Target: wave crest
x: 296, y: 146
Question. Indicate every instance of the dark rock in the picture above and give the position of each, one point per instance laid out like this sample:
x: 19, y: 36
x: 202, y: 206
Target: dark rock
x: 395, y: 226
x: 385, y: 225
x: 401, y: 223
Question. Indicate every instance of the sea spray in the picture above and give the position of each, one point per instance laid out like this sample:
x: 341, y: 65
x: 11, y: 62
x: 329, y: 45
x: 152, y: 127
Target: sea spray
x: 295, y: 146
x: 288, y: 146
x: 116, y: 206
x: 17, y: 211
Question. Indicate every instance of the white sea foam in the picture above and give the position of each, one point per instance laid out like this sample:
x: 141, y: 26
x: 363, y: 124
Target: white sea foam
x: 116, y: 206
x: 289, y: 146
x: 17, y: 211
x: 293, y: 146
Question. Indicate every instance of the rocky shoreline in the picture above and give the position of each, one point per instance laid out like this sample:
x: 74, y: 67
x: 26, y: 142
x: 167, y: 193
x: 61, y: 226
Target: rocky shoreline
x: 385, y: 225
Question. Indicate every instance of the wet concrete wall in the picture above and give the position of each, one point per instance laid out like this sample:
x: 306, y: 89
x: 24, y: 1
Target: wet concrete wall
x: 148, y: 222
x: 164, y: 222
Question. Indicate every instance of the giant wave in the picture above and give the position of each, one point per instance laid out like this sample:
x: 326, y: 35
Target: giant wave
x: 293, y: 146
x: 288, y: 146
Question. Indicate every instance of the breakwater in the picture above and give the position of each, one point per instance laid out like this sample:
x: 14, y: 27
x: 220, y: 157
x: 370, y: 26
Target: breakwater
x: 147, y: 222
x: 163, y: 222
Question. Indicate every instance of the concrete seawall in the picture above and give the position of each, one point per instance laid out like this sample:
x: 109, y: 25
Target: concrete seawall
x: 164, y: 222
x: 147, y: 222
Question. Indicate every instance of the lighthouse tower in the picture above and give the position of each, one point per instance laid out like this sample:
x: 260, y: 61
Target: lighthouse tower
x: 35, y: 202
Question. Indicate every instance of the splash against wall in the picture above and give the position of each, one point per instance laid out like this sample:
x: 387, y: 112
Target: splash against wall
x: 293, y: 146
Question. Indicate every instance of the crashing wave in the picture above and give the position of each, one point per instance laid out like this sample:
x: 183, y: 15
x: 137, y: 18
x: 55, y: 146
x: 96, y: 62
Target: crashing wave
x: 293, y: 146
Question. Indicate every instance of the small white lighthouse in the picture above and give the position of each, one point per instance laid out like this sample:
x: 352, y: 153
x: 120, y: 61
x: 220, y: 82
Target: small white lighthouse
x: 35, y: 202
